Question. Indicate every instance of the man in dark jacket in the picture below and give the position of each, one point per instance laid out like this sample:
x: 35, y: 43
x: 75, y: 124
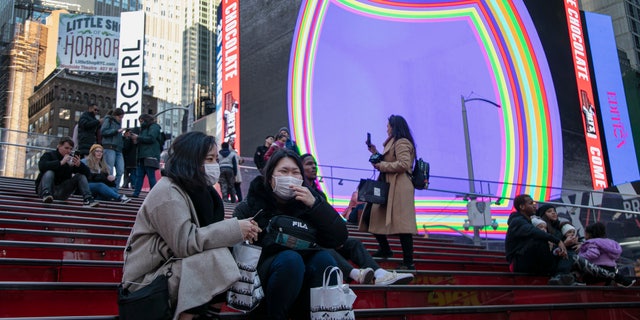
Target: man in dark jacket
x: 112, y: 142
x: 61, y: 174
x: 527, y: 247
x: 87, y: 129
x: 258, y: 157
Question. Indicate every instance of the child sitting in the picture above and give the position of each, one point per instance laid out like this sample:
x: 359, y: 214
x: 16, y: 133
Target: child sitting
x: 600, y: 250
x: 569, y: 233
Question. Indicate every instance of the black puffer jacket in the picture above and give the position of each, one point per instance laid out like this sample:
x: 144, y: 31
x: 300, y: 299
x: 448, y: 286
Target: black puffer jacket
x: 331, y: 228
x: 521, y: 230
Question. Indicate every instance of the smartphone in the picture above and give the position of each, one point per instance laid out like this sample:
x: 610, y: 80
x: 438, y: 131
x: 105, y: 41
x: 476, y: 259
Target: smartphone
x: 368, y: 139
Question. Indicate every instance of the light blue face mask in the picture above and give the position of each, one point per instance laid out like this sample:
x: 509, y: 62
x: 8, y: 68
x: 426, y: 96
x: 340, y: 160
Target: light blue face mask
x: 282, y: 184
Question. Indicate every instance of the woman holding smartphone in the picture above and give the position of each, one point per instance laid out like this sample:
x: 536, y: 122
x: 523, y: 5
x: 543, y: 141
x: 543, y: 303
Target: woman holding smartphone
x: 398, y: 216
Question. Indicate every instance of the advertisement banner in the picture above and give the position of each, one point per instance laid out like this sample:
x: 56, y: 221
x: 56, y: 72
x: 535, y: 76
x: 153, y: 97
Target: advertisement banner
x: 130, y: 71
x: 614, y: 113
x: 587, y: 102
x: 88, y: 43
x: 229, y: 111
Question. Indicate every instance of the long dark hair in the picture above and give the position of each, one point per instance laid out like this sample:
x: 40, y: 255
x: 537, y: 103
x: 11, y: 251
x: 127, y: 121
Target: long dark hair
x: 273, y: 161
x: 185, y: 159
x: 400, y: 129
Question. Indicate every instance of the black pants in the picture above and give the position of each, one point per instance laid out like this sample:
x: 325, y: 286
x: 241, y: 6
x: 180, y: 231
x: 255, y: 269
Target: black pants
x: 537, y: 258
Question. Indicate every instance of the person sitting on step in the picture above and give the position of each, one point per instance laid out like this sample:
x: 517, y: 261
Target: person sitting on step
x: 62, y: 174
x: 369, y: 271
x: 101, y: 182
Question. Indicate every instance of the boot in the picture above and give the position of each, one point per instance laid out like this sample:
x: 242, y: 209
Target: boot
x: 584, y: 266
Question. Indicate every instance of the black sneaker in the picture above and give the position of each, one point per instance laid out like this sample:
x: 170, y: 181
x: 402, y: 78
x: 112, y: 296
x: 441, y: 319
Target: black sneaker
x: 90, y: 202
x: 564, y: 279
x: 47, y: 197
x: 383, y: 254
x: 404, y: 266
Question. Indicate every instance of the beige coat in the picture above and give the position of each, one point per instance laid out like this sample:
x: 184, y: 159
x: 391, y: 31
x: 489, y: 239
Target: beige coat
x: 399, y: 214
x: 166, y: 225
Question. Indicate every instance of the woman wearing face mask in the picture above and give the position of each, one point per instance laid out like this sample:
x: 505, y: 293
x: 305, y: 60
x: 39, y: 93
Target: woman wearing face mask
x: 287, y: 274
x: 180, y: 226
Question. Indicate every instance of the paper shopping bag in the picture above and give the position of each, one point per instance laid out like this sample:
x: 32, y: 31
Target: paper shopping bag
x: 246, y: 293
x: 332, y: 301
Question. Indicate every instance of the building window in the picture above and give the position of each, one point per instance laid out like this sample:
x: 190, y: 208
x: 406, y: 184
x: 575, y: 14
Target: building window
x: 63, y: 131
x: 64, y: 114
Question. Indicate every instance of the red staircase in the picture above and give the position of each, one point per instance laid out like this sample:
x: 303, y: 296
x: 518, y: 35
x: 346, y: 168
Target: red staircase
x: 63, y: 261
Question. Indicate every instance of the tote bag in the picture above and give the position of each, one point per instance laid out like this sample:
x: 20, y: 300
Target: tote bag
x: 246, y: 293
x: 332, y: 302
x: 373, y: 191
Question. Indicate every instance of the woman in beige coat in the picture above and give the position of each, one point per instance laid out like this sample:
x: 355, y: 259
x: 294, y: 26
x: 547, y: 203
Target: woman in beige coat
x: 180, y: 230
x: 398, y: 216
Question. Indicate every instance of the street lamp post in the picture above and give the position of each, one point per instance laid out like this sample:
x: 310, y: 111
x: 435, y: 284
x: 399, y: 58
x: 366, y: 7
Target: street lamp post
x: 467, y: 145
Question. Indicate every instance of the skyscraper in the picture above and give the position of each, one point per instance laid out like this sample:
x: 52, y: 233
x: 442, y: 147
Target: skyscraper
x: 625, y: 15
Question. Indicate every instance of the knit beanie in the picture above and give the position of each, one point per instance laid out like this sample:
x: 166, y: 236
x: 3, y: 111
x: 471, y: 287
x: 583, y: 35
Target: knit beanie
x: 95, y: 146
x: 566, y: 228
x: 537, y: 221
x: 543, y: 208
x: 284, y: 129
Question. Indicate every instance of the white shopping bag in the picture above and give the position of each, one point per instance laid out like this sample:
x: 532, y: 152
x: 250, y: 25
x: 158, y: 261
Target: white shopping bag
x: 246, y: 293
x: 332, y: 302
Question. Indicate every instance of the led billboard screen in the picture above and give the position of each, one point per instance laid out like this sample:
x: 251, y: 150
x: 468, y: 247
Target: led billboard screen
x: 354, y: 63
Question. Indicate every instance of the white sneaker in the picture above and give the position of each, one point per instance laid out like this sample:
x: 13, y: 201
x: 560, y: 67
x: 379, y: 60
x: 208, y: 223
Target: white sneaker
x: 124, y: 199
x: 393, y: 277
x: 365, y: 276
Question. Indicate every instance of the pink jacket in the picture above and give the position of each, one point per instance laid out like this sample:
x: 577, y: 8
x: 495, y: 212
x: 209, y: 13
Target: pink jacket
x: 601, y: 251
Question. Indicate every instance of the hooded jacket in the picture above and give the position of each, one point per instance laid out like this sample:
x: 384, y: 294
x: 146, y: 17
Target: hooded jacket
x: 601, y: 251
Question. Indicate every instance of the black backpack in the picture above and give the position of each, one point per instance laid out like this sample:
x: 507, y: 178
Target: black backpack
x: 420, y: 174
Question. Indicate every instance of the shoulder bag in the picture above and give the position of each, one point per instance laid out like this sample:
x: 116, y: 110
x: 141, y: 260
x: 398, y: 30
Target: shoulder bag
x: 151, y: 302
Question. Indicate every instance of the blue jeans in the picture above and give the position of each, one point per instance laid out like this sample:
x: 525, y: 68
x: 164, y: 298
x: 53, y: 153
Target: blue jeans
x: 115, y: 160
x: 102, y: 191
x: 141, y: 171
x: 288, y: 280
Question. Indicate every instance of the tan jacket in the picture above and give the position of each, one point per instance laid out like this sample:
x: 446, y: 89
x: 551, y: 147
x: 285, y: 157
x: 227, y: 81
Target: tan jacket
x: 399, y: 214
x: 165, y: 226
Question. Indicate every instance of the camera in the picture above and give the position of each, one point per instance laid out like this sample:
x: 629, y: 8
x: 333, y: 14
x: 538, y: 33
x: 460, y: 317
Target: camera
x: 375, y: 158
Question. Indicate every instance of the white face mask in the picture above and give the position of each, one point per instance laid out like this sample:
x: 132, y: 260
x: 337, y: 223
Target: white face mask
x: 212, y: 170
x: 282, y: 183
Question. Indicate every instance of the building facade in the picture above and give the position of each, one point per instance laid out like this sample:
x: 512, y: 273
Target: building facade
x: 57, y: 104
x: 625, y: 16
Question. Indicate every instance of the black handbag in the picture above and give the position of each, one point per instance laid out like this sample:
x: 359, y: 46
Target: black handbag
x: 373, y: 191
x: 151, y: 162
x: 151, y: 302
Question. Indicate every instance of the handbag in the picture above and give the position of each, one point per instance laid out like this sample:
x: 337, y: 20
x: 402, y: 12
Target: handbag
x: 332, y: 302
x: 373, y: 191
x: 151, y: 302
x: 289, y: 232
x: 151, y: 162
x: 246, y: 293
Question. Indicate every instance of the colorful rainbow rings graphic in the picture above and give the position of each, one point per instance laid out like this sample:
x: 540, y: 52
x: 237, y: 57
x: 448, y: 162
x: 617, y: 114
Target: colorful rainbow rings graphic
x: 528, y: 144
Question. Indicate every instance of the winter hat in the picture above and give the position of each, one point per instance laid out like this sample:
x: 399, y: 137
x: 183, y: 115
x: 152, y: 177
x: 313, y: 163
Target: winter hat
x: 95, y: 146
x: 543, y: 208
x: 284, y: 129
x: 537, y: 221
x: 566, y: 228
